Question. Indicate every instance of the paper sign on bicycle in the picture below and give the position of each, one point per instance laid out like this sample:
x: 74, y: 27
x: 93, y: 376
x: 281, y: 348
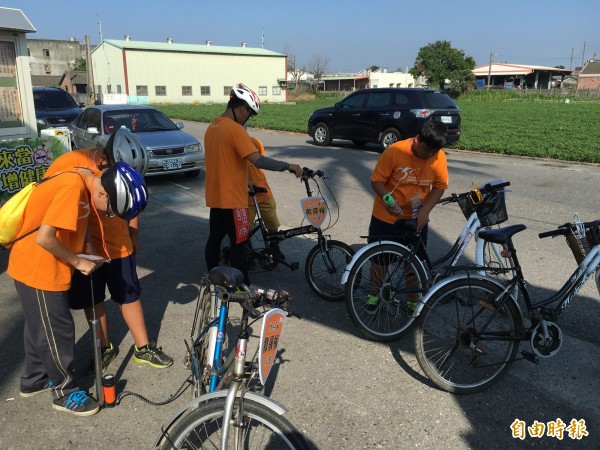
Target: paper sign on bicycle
x: 314, y: 209
x: 272, y: 325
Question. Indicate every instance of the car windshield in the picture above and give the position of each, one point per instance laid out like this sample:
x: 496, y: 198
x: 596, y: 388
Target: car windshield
x: 53, y: 99
x: 137, y: 120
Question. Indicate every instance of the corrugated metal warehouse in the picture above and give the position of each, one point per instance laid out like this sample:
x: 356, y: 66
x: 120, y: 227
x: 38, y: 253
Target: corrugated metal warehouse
x: 166, y: 72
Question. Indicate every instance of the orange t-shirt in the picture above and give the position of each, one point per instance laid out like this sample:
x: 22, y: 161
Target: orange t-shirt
x: 115, y: 230
x: 404, y: 174
x: 62, y: 202
x: 258, y: 176
x: 226, y: 144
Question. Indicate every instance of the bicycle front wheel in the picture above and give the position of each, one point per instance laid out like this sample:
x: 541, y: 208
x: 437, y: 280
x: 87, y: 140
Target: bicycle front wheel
x: 382, y: 291
x: 467, y: 335
x: 324, y: 267
x: 260, y: 428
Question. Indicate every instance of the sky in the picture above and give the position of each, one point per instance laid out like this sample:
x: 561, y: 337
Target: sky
x: 349, y: 35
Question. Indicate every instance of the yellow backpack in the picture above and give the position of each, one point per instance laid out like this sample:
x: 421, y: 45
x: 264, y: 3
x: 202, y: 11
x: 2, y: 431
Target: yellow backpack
x: 11, y: 215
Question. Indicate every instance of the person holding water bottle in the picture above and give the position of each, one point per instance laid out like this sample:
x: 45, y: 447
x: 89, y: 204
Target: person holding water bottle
x: 409, y: 179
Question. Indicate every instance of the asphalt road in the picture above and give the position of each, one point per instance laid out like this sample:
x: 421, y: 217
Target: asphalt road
x: 343, y: 391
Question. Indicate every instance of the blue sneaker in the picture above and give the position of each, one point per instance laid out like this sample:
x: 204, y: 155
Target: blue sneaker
x: 41, y: 385
x: 77, y: 403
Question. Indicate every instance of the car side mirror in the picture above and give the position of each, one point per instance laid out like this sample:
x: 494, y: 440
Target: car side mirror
x: 92, y: 130
x: 179, y: 125
x: 337, y: 105
x: 81, y: 104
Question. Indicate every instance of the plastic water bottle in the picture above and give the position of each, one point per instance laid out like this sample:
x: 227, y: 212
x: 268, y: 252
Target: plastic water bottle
x: 391, y: 203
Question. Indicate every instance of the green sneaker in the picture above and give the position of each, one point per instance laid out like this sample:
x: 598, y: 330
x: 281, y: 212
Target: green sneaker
x: 372, y: 304
x: 152, y: 355
x: 411, y: 305
x: 108, y: 355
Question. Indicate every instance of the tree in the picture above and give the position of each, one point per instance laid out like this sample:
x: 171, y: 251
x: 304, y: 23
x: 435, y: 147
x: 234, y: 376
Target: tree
x: 439, y: 62
x: 317, y: 65
x: 79, y: 65
x: 294, y: 68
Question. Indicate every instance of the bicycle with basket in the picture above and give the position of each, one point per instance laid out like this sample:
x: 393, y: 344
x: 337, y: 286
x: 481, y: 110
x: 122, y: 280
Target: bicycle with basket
x: 227, y: 409
x: 394, y: 274
x: 470, y: 326
x: 326, y: 261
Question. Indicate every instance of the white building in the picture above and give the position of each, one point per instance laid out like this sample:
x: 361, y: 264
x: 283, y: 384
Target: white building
x: 166, y: 72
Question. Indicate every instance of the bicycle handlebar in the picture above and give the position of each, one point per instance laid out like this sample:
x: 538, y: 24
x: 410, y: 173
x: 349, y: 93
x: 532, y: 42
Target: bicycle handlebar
x: 309, y: 173
x: 260, y: 297
x: 484, y: 190
x: 565, y: 229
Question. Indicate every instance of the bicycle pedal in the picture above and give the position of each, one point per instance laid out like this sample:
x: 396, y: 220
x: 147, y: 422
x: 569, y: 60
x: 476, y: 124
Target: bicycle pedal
x: 530, y: 357
x: 294, y: 266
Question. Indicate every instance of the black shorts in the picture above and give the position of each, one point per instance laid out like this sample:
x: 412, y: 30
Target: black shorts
x: 380, y: 230
x: 119, y: 275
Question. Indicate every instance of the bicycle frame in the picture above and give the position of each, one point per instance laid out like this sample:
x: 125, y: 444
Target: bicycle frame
x: 469, y: 230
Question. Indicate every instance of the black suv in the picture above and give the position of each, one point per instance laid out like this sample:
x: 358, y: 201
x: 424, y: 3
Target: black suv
x: 54, y: 107
x: 384, y: 116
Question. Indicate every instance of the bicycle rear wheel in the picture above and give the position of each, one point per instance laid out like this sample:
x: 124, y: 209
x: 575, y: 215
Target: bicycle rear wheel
x: 261, y: 428
x: 382, y: 291
x: 466, y: 337
x: 324, y: 268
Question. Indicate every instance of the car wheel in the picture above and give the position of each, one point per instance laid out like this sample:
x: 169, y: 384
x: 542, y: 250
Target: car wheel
x: 389, y: 136
x: 358, y: 142
x: 321, y: 135
x: 192, y: 173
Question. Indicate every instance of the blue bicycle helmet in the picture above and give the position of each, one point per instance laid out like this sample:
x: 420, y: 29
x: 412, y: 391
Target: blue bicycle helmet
x: 126, y: 189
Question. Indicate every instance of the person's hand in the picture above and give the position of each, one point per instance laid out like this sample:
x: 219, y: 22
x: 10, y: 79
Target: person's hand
x: 85, y: 266
x: 422, y: 218
x: 296, y: 170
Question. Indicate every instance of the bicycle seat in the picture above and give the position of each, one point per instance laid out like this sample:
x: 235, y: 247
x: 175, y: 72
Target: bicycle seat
x: 501, y: 235
x: 257, y: 190
x: 228, y: 277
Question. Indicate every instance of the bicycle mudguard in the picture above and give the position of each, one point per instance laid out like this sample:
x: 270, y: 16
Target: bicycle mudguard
x: 359, y: 253
x: 258, y: 398
x: 472, y: 276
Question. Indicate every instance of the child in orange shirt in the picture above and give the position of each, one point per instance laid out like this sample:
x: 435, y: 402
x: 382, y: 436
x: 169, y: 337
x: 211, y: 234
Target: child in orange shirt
x: 42, y: 263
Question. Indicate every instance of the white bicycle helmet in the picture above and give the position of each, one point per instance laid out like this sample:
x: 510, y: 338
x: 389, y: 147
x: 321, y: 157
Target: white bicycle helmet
x: 126, y: 189
x: 123, y: 146
x: 243, y: 92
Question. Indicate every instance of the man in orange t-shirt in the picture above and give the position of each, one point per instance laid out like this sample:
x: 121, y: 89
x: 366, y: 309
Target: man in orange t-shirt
x: 41, y: 265
x: 228, y: 149
x: 414, y: 173
x: 117, y: 238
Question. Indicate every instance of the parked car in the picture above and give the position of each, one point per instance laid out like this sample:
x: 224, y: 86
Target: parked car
x: 171, y: 150
x: 384, y: 116
x: 54, y: 107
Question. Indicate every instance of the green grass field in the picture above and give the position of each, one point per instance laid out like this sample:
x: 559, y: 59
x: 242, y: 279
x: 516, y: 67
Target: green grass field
x: 505, y: 123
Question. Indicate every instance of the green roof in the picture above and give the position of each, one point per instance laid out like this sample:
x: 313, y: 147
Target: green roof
x: 189, y: 48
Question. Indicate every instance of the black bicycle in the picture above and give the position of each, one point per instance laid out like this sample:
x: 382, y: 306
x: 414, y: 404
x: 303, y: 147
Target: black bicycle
x: 469, y: 326
x: 325, y: 262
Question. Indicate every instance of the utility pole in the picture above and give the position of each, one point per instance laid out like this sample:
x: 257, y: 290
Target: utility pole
x: 572, y: 51
x: 490, y: 71
x: 583, y: 55
x: 90, y: 72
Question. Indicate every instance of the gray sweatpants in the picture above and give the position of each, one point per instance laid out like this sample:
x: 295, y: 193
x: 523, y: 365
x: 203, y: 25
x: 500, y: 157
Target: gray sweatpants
x: 48, y: 338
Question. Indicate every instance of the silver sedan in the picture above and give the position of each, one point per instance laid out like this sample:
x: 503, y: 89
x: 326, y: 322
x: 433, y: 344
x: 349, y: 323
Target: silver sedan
x: 171, y: 150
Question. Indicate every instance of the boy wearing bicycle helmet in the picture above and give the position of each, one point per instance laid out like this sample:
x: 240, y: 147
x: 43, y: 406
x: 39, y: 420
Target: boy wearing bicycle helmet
x: 413, y: 173
x: 228, y: 149
x: 119, y: 239
x: 42, y: 264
